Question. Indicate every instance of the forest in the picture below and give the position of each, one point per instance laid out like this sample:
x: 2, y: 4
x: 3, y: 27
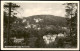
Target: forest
x: 29, y: 31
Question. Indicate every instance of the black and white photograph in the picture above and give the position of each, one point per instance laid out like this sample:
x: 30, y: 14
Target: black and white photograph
x: 39, y: 25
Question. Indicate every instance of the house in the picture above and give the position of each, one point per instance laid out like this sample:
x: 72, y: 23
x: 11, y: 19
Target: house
x: 37, y: 20
x: 49, y: 38
x: 17, y: 40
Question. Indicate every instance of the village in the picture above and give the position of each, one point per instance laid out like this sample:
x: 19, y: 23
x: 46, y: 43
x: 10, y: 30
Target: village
x: 40, y: 25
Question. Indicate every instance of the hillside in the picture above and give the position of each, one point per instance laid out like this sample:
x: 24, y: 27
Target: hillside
x: 47, y: 20
x: 50, y: 23
x: 33, y: 28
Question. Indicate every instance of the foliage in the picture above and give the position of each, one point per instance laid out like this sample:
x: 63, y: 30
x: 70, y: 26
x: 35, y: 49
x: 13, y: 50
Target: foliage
x: 8, y: 20
x: 71, y: 15
x: 32, y: 35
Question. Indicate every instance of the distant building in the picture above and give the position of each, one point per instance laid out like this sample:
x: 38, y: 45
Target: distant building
x: 37, y: 20
x: 24, y: 20
x: 64, y: 27
x: 60, y: 35
x: 17, y: 40
x: 28, y: 25
x: 49, y: 38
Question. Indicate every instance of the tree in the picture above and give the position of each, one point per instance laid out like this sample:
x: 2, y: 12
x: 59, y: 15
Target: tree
x: 71, y: 15
x: 9, y: 19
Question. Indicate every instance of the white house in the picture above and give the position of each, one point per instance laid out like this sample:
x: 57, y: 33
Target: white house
x: 37, y: 20
x: 49, y: 38
x: 17, y: 40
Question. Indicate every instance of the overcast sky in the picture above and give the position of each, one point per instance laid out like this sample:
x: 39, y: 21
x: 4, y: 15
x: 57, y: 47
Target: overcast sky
x: 29, y: 9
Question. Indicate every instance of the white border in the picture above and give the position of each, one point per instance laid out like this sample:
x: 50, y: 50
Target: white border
x: 2, y: 2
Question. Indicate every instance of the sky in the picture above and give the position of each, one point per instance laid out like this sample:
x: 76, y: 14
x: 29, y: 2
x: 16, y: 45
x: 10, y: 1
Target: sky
x: 29, y: 9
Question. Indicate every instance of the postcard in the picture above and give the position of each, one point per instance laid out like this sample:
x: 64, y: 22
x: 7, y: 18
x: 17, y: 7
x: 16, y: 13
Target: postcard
x: 39, y: 25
